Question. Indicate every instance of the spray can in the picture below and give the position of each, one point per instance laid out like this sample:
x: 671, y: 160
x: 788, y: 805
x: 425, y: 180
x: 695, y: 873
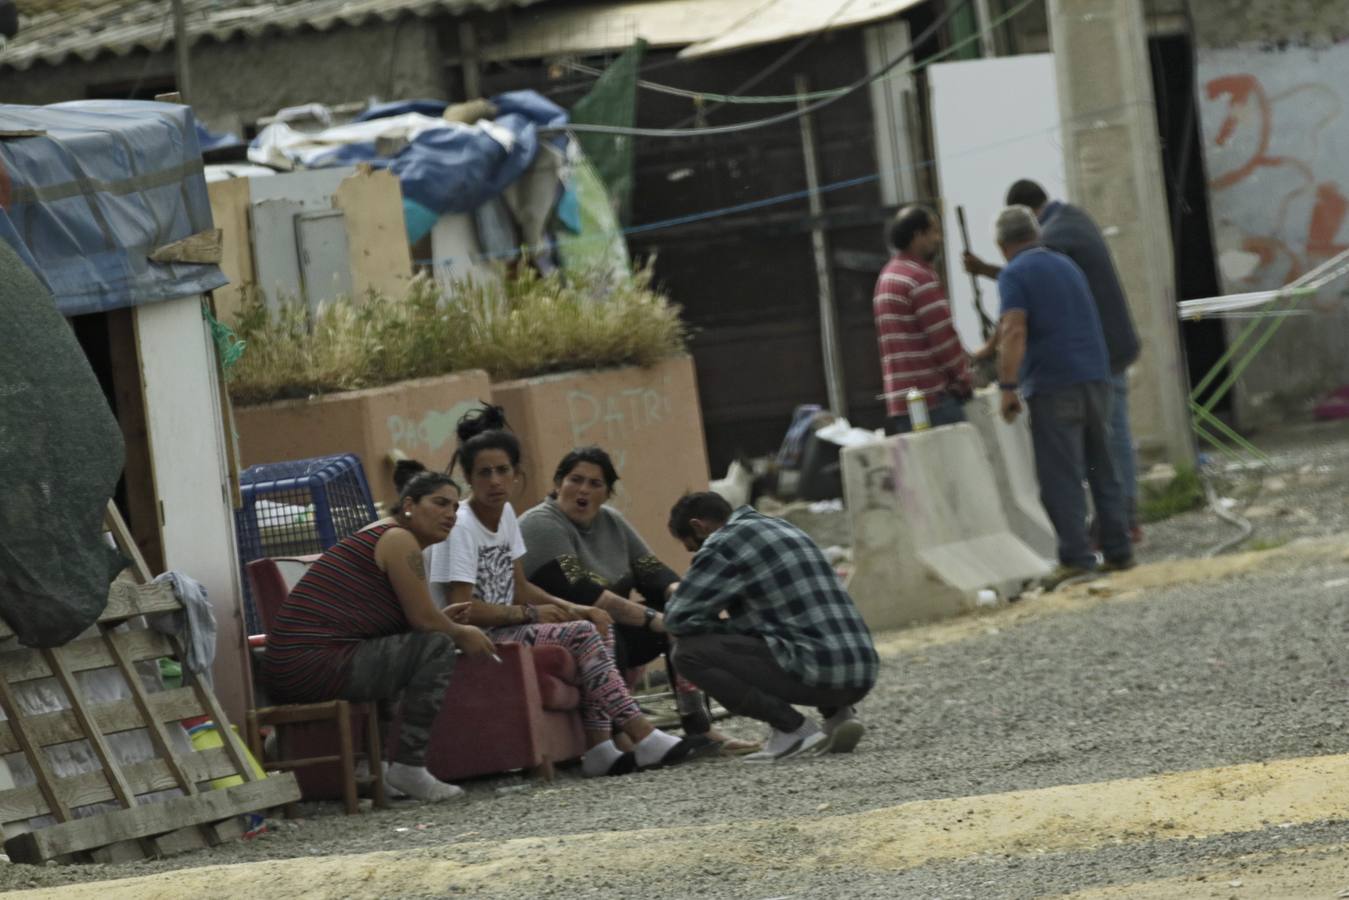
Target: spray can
x: 917, y: 410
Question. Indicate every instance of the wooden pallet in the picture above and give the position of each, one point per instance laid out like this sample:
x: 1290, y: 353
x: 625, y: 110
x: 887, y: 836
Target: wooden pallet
x: 199, y: 818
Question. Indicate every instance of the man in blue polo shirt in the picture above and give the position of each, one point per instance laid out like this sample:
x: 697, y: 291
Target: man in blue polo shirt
x: 1052, y: 352
x: 1071, y: 231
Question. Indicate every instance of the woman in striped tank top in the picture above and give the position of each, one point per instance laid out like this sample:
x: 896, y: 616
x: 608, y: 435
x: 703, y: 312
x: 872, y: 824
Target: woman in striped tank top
x: 361, y: 625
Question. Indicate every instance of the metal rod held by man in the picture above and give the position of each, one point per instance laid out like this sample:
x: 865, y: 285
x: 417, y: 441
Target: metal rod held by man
x: 985, y: 323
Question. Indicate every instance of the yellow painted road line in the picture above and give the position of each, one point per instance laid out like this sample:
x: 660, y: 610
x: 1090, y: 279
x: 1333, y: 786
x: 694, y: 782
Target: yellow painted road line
x: 1077, y: 817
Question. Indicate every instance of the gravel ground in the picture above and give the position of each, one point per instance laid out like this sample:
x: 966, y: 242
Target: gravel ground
x: 1300, y: 493
x: 1242, y: 669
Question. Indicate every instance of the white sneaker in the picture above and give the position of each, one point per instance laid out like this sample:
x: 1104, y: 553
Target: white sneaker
x: 804, y: 741
x: 844, y: 731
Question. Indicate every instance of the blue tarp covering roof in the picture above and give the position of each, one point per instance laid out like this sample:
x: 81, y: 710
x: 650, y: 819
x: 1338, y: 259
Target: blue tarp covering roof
x: 443, y: 167
x: 97, y: 188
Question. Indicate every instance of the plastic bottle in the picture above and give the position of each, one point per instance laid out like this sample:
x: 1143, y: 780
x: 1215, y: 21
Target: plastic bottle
x: 918, y: 419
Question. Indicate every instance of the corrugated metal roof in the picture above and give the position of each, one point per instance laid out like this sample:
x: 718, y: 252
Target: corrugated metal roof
x: 702, y: 27
x: 601, y: 27
x: 53, y: 30
x: 780, y: 20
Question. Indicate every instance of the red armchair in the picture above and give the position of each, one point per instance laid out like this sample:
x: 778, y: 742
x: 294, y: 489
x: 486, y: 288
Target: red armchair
x: 520, y: 713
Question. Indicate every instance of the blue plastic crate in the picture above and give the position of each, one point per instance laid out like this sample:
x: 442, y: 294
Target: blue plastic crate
x: 299, y: 507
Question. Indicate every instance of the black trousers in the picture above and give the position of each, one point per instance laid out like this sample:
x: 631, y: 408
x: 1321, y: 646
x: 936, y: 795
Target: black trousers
x: 740, y: 673
x: 636, y: 646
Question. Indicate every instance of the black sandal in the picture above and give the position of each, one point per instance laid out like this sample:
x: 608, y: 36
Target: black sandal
x: 624, y: 765
x: 677, y: 754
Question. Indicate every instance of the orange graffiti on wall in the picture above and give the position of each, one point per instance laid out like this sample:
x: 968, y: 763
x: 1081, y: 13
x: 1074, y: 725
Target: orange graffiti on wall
x: 1241, y: 91
x: 1250, y: 107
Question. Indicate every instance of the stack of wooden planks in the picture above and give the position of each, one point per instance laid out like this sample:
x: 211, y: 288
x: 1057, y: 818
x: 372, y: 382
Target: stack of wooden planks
x: 132, y: 828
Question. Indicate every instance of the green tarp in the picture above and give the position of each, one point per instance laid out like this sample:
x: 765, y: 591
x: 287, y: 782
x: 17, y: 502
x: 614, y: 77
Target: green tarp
x: 613, y: 101
x: 61, y: 454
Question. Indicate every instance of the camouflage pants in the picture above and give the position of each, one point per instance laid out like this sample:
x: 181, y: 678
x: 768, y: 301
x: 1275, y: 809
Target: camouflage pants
x: 416, y: 665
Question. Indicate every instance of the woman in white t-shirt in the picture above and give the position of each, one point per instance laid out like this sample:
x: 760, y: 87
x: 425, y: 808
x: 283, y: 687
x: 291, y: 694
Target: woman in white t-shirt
x: 480, y: 564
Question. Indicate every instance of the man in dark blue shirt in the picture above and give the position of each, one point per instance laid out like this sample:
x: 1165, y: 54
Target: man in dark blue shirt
x: 1052, y: 351
x: 1071, y: 231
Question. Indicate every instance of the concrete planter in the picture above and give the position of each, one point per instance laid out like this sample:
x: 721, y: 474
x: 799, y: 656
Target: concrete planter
x: 649, y: 421
x: 417, y: 417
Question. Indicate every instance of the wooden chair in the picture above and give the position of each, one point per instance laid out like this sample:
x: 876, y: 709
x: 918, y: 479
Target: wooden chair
x: 270, y: 586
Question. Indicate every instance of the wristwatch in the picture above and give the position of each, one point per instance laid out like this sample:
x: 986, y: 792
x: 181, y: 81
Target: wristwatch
x: 1007, y: 386
x: 531, y: 615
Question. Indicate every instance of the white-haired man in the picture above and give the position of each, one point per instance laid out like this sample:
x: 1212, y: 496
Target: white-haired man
x: 1052, y: 352
x: 1072, y: 232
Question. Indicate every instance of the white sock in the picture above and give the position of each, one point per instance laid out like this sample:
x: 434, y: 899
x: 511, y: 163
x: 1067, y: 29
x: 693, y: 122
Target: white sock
x: 652, y: 748
x: 418, y: 782
x: 390, y: 791
x: 363, y: 771
x: 597, y: 760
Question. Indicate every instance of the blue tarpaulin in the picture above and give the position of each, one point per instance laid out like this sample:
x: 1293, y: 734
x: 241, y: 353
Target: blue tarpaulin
x: 208, y: 140
x: 444, y: 167
x: 89, y: 189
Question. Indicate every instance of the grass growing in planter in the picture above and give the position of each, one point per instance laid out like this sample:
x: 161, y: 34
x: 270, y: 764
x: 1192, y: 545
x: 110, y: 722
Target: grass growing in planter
x: 532, y: 325
x: 523, y: 326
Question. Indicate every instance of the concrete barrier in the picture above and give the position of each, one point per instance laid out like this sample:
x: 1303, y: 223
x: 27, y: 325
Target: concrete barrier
x: 929, y: 530
x: 1011, y: 459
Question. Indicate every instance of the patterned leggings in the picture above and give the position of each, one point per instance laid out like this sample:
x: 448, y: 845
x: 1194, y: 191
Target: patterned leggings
x: 605, y: 700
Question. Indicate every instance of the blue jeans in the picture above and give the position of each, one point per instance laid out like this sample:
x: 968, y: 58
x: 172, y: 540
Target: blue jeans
x: 1122, y: 444
x: 946, y: 411
x: 1070, y: 431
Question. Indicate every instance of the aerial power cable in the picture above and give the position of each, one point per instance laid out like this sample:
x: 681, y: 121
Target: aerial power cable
x: 864, y: 81
x: 737, y: 98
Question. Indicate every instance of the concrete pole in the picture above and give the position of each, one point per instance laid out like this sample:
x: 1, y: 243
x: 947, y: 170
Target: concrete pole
x: 988, y: 43
x: 833, y: 358
x: 1113, y: 160
x: 180, y: 50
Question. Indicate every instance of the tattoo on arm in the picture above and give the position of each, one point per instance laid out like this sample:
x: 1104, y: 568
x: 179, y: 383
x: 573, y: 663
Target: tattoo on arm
x: 417, y: 565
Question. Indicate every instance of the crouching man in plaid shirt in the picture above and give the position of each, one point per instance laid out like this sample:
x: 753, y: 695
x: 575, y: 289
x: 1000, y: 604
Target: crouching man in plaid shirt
x: 761, y: 622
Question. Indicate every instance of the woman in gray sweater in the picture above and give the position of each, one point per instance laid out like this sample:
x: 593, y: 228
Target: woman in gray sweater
x: 584, y: 551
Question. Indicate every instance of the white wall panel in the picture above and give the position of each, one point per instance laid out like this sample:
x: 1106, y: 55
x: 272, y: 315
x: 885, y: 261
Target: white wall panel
x: 187, y: 445
x: 994, y: 121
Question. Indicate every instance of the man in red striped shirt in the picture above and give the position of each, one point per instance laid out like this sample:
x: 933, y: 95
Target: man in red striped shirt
x: 918, y: 344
